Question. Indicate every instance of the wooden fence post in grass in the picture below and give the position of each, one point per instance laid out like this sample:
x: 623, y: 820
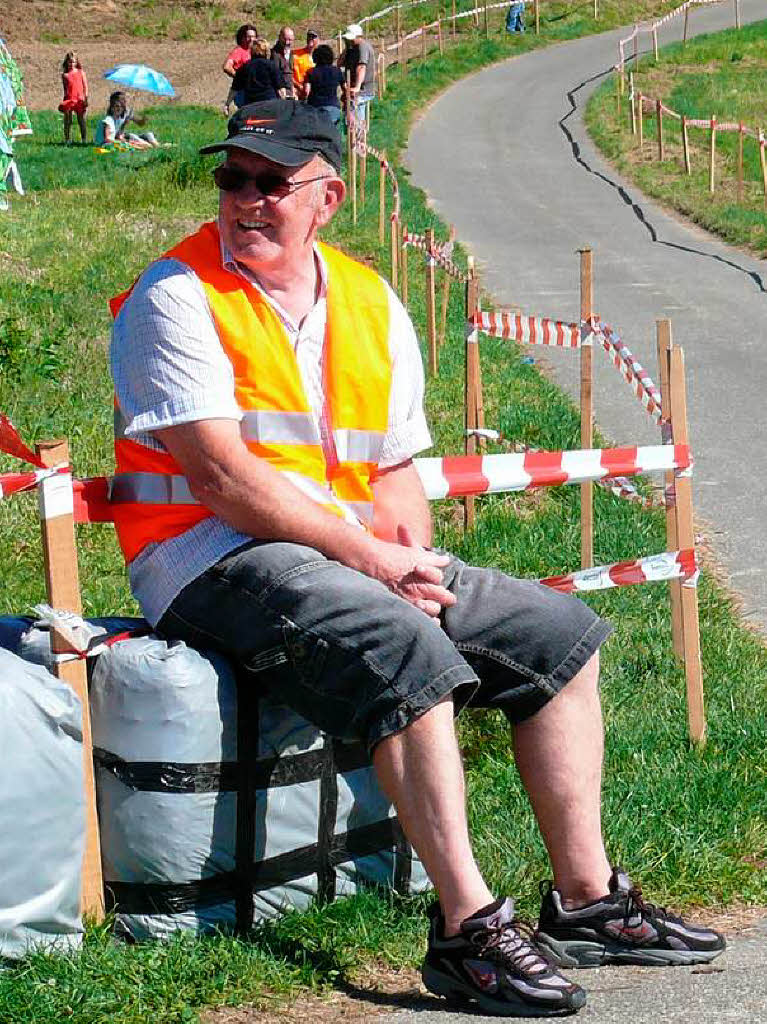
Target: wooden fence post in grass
x: 763, y: 163
x: 587, y: 409
x: 470, y: 383
x: 686, y: 146
x: 740, y: 161
x: 618, y: 92
x: 655, y: 44
x: 62, y: 584
x: 476, y: 13
x: 596, y: 10
x: 712, y: 155
x: 403, y: 267
x: 684, y: 31
x: 537, y: 17
x: 363, y: 173
x: 737, y: 13
x: 659, y: 116
x: 423, y: 42
x: 487, y: 22
x: 632, y: 96
x: 394, y: 249
x: 664, y: 346
x: 440, y: 42
x: 685, y: 531
x: 640, y: 122
x: 399, y: 22
x: 453, y: 17
x: 445, y: 297
x: 382, y: 200
x: 431, y: 311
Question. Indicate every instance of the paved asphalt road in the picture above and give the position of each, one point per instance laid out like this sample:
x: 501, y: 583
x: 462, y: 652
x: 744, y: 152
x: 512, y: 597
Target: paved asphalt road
x: 731, y: 989
x: 505, y: 157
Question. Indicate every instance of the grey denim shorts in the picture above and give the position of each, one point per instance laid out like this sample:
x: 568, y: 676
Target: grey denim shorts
x: 361, y: 663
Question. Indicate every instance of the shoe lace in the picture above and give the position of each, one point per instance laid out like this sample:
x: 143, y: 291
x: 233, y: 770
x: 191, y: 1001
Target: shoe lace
x: 636, y: 904
x: 510, y: 943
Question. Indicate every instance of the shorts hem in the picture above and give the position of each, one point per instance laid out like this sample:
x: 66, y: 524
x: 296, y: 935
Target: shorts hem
x: 417, y: 704
x: 580, y: 653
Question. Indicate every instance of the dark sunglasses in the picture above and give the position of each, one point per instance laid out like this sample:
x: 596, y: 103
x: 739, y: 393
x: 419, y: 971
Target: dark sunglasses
x: 268, y: 183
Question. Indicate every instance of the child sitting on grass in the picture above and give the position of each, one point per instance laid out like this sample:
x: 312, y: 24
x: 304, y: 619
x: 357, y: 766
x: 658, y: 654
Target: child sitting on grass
x: 75, y: 95
x: 110, y: 129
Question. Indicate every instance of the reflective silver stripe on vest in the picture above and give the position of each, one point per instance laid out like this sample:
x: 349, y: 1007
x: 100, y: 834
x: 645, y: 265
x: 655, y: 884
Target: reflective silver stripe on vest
x: 150, y: 489
x: 358, y: 445
x: 322, y: 494
x: 164, y: 489
x: 270, y: 427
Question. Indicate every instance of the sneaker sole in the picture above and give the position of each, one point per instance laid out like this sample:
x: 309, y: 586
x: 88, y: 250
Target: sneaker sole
x: 580, y: 953
x: 451, y: 988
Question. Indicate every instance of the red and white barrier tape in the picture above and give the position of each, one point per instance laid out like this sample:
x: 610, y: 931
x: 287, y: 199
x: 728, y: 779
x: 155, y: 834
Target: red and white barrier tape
x: 620, y: 486
x: 15, y: 483
x: 653, y: 568
x: 462, y: 475
x: 652, y: 26
x: 531, y: 330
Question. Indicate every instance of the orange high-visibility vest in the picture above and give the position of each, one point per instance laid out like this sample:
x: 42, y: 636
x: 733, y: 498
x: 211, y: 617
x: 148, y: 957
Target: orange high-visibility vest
x: 151, y: 497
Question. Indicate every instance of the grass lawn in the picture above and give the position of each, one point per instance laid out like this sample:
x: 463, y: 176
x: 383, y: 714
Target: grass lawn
x: 722, y: 74
x: 691, y: 824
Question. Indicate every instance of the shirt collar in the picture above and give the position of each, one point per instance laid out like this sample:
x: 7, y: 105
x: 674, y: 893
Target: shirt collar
x: 230, y: 263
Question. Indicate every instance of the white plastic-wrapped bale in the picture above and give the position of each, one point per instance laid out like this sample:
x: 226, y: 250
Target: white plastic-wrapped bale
x: 42, y: 811
x: 195, y: 837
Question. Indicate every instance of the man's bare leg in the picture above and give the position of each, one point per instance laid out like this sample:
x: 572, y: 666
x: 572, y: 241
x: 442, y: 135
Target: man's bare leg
x: 559, y: 756
x: 420, y: 771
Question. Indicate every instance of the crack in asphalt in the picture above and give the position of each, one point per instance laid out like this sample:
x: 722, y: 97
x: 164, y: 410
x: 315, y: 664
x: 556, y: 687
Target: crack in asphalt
x: 636, y: 208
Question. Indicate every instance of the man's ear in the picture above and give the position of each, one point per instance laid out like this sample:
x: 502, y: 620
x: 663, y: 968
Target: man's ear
x: 332, y: 198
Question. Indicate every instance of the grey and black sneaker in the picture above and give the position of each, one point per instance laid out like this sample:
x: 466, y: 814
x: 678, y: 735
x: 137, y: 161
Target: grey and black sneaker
x: 494, y: 965
x: 620, y: 928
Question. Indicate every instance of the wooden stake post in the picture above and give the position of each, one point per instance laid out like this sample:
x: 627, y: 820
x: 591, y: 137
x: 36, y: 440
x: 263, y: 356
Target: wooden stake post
x: 445, y: 298
x: 382, y: 201
x: 471, y: 385
x: 712, y: 156
x: 587, y: 410
x: 537, y: 17
x: 633, y: 104
x: 640, y: 122
x: 659, y: 116
x: 431, y: 312
x: 664, y: 345
x: 684, y: 33
x: 63, y: 588
x: 394, y: 249
x: 404, y: 291
x: 453, y: 17
x: 685, y: 531
x: 363, y: 174
x: 740, y: 161
x: 686, y: 146
x: 763, y: 164
x: 487, y: 22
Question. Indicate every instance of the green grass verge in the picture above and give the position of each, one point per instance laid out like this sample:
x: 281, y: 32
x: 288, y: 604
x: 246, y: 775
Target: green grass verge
x: 722, y: 74
x: 692, y: 825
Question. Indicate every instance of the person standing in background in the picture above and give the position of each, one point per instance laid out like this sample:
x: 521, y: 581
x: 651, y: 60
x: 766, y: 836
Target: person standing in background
x: 322, y: 83
x: 515, y: 21
x: 282, y: 55
x: 258, y: 80
x: 303, y: 62
x: 245, y: 37
x: 359, y: 60
x: 75, y: 96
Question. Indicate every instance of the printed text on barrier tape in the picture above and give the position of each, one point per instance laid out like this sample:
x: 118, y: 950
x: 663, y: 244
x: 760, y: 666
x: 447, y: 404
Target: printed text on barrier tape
x: 653, y: 568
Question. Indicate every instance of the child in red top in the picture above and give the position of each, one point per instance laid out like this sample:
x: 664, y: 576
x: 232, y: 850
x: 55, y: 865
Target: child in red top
x: 75, y: 95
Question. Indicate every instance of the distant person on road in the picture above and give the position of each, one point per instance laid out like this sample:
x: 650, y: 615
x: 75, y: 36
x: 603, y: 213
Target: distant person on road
x: 515, y: 21
x: 111, y: 128
x: 303, y: 62
x: 75, y: 96
x: 258, y: 80
x: 282, y: 55
x: 359, y: 60
x: 322, y: 83
x: 245, y: 37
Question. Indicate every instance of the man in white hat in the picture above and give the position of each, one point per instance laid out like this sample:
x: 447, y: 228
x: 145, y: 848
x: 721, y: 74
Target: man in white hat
x: 359, y: 60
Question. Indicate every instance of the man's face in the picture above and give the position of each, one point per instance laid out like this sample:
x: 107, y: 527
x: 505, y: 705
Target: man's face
x: 265, y: 231
x: 250, y: 38
x: 311, y: 43
x: 286, y: 38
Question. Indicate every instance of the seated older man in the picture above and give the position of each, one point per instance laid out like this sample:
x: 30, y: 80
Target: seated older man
x: 269, y: 395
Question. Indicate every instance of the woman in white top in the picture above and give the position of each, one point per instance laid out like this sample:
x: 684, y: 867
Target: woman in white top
x: 110, y: 128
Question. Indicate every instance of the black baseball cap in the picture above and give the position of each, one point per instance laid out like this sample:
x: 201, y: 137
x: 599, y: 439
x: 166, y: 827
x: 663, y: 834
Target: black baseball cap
x: 285, y: 131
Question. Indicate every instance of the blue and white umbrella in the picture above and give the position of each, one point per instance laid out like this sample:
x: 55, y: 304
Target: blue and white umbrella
x: 139, y: 76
